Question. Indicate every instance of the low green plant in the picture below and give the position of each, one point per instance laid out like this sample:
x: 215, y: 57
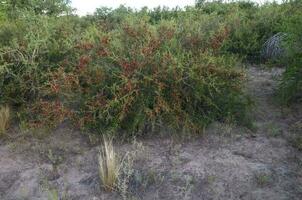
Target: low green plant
x: 296, y: 141
x: 263, y: 179
x: 53, y: 195
x: 296, y: 135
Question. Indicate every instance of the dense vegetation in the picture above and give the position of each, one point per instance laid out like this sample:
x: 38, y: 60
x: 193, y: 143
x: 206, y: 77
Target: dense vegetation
x: 134, y: 70
x: 290, y: 88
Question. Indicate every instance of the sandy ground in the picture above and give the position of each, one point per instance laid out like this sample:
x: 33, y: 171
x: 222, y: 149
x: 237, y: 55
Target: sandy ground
x: 227, y: 162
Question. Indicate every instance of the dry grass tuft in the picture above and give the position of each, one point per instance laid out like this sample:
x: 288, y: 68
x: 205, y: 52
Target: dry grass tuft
x: 109, y: 165
x: 4, y: 118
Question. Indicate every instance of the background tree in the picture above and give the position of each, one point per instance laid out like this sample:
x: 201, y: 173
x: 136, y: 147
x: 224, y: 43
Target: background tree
x: 40, y: 7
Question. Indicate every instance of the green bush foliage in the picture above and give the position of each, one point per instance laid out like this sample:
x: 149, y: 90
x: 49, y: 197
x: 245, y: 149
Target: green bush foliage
x: 290, y: 86
x: 141, y: 75
x: 131, y: 70
x: 32, y: 46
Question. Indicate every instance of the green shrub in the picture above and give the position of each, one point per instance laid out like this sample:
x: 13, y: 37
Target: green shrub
x: 122, y: 70
x: 141, y: 75
x: 290, y: 86
x: 31, y: 47
x: 250, y: 26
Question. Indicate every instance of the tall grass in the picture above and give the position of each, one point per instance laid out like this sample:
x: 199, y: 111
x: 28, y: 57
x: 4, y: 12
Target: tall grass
x: 4, y: 119
x: 109, y: 165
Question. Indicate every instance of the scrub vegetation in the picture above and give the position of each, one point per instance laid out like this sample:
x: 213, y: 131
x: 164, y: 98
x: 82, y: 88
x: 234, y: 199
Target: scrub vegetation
x: 134, y: 71
x: 229, y: 70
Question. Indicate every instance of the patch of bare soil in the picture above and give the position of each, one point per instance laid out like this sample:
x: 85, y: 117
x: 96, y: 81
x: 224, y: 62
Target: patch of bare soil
x: 225, y: 163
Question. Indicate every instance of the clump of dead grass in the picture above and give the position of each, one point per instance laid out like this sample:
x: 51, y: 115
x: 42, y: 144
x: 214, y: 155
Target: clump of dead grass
x: 109, y: 165
x: 4, y: 118
x: 117, y: 172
